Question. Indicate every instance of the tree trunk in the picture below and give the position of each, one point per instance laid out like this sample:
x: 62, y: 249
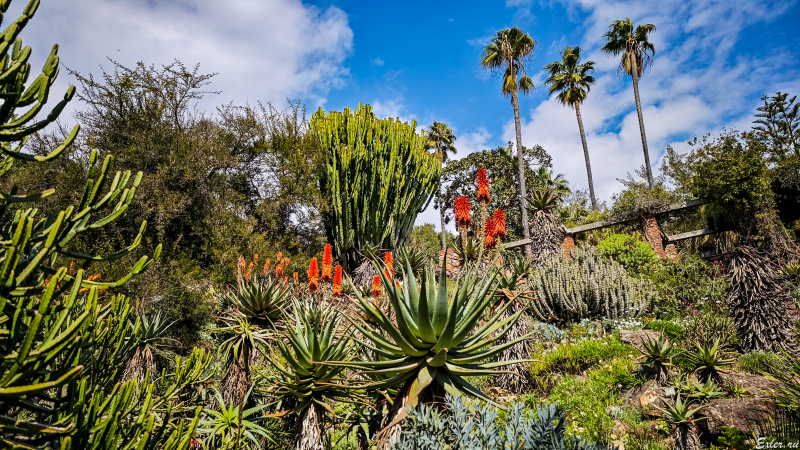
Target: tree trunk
x: 523, y: 203
x: 311, y: 435
x: 648, y: 170
x: 586, y: 156
x: 441, y: 216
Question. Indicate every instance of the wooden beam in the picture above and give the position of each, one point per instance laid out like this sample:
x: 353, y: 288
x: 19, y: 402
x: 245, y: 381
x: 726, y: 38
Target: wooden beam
x: 518, y: 243
x: 691, y: 234
x: 683, y: 205
x: 595, y: 225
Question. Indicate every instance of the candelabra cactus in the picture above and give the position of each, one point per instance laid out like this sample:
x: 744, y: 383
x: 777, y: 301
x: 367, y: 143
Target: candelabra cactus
x: 584, y: 286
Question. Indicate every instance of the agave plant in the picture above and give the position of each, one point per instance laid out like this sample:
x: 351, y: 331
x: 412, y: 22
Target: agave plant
x: 261, y: 300
x: 414, y: 257
x: 149, y: 335
x: 245, y: 341
x: 658, y: 355
x: 228, y: 429
x: 434, y: 341
x: 709, y: 360
x: 680, y: 416
x: 311, y: 386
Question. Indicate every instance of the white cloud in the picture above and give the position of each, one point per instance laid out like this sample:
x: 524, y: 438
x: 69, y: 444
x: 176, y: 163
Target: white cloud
x: 261, y: 50
x: 696, y: 85
x: 377, y: 62
x: 472, y: 142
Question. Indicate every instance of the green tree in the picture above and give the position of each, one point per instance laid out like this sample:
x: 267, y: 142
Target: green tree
x: 778, y: 125
x: 502, y: 167
x: 622, y: 39
x: 424, y: 238
x: 377, y: 177
x: 506, y: 54
x: 573, y: 80
x: 440, y: 140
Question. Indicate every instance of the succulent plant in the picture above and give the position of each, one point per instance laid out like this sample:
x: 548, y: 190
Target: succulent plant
x: 658, y: 355
x: 681, y: 417
x: 260, y: 299
x: 709, y: 360
x: 434, y: 341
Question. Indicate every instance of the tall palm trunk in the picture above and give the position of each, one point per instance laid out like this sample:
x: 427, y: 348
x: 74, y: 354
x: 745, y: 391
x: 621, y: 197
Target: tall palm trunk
x: 586, y: 155
x: 649, y: 171
x: 523, y: 203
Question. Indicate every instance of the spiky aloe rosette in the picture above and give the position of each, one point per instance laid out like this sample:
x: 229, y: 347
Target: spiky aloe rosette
x: 434, y: 339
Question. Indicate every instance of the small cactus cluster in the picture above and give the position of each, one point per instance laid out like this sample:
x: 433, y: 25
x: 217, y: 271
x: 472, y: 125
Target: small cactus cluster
x: 584, y: 286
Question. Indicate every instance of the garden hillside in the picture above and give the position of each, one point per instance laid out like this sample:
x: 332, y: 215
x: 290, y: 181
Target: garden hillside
x: 251, y: 277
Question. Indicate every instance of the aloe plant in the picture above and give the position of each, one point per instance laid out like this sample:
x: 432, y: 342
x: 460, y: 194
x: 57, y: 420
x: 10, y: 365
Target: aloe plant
x: 148, y: 333
x: 434, y: 341
x: 232, y: 429
x: 681, y: 417
x: 709, y: 361
x: 658, y: 355
x: 260, y: 299
x: 305, y: 386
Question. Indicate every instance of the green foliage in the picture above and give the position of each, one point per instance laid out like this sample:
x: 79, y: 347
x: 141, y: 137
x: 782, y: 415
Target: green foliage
x: 734, y: 438
x: 705, y: 391
x: 576, y: 357
x: 435, y: 339
x: 584, y: 286
x: 687, y: 285
x: 467, y: 425
x: 680, y: 414
x: 760, y: 362
x: 668, y: 328
x: 788, y: 393
x: 778, y: 126
x: 708, y: 360
x: 634, y: 255
x: 261, y: 300
x: 785, y: 185
x: 658, y: 355
x: 425, y: 238
x: 227, y: 429
x: 367, y: 160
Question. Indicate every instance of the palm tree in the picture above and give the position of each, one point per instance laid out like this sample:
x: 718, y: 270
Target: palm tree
x: 572, y: 81
x: 440, y: 140
x: 506, y: 54
x: 623, y: 39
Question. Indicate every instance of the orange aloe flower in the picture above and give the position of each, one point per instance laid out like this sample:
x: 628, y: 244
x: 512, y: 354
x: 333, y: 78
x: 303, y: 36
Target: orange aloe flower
x: 462, y: 210
x: 483, y: 186
x: 490, y: 242
x: 337, y: 282
x: 499, y: 223
x: 242, y: 265
x: 313, y: 275
x: 387, y: 258
x: 376, y: 286
x: 266, y: 267
x: 296, y: 278
x: 249, y: 271
x: 327, y: 264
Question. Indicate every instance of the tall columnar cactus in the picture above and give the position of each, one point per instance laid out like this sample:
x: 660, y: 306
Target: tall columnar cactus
x: 60, y: 346
x: 584, y: 286
x: 378, y: 177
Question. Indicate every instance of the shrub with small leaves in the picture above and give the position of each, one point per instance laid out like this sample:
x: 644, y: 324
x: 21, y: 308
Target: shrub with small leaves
x: 634, y: 255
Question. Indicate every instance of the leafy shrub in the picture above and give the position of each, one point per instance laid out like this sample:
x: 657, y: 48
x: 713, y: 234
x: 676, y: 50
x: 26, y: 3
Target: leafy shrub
x: 760, y: 362
x: 688, y: 284
x: 634, y: 255
x: 470, y: 426
x: 547, y: 332
x: 586, y: 287
x: 672, y: 330
x: 576, y: 357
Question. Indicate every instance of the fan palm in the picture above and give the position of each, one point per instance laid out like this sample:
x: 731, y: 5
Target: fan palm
x: 440, y: 140
x: 506, y: 54
x: 622, y: 39
x: 573, y: 80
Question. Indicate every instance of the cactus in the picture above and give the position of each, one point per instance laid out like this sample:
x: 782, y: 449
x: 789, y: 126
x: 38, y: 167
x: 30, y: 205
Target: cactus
x: 61, y: 347
x: 584, y: 286
x: 378, y: 177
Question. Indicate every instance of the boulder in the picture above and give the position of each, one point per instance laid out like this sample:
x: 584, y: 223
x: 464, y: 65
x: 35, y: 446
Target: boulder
x: 647, y: 398
x: 754, y: 385
x: 636, y: 338
x: 743, y: 413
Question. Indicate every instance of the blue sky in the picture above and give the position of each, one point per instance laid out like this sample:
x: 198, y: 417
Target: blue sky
x: 420, y: 60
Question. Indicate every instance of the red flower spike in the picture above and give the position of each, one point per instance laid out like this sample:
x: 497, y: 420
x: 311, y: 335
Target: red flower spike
x: 337, y: 282
x: 313, y: 270
x: 490, y: 242
x: 376, y: 286
x: 387, y: 258
x: 499, y: 219
x: 483, y: 186
x: 462, y: 209
x: 327, y: 264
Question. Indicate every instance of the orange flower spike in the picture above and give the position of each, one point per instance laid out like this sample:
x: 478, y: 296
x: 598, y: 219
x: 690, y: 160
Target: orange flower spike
x: 483, y: 186
x: 249, y: 271
x: 376, y: 286
x: 490, y: 242
x: 296, y: 278
x: 255, y: 259
x: 313, y: 269
x: 72, y: 268
x: 327, y: 264
x: 462, y: 209
x: 499, y: 220
x: 266, y: 267
x: 387, y: 258
x: 279, y: 258
x: 337, y: 282
x: 312, y: 285
x: 241, y: 265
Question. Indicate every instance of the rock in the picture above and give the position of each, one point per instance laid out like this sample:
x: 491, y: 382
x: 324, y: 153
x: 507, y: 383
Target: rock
x: 648, y: 398
x: 753, y: 385
x: 742, y: 413
x: 636, y: 337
